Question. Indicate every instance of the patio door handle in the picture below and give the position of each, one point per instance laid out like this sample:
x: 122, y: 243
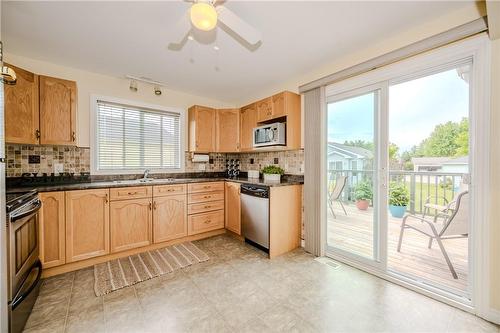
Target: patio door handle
x: 383, y: 178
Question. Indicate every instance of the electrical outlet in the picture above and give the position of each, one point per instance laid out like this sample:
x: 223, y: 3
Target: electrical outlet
x: 58, y: 168
x: 202, y: 167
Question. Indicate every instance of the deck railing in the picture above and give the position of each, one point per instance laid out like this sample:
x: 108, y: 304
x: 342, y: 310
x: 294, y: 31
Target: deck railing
x: 422, y: 185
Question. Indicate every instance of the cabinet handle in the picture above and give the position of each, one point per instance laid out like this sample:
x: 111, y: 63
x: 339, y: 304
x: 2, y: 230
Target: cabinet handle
x: 207, y: 197
x: 106, y: 198
x: 207, y: 206
x: 150, y: 206
x: 73, y: 136
x: 154, y: 205
x: 37, y: 134
x: 132, y: 193
x: 207, y: 221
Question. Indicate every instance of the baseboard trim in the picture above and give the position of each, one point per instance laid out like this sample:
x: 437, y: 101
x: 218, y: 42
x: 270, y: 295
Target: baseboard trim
x: 73, y: 266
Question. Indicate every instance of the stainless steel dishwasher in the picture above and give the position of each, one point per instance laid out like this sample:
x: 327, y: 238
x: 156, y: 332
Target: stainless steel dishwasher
x: 255, y: 215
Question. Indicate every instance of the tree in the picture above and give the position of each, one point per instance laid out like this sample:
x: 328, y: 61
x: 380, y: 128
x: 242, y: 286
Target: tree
x: 448, y: 139
x: 360, y: 143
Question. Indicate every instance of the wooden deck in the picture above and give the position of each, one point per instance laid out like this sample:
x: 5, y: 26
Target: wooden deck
x: 354, y: 233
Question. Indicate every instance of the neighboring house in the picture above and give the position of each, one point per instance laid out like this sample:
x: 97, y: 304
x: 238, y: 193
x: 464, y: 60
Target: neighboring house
x: 441, y: 164
x: 343, y: 157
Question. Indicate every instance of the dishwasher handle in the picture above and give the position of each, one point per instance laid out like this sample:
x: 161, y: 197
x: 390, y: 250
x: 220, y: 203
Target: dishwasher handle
x: 255, y: 191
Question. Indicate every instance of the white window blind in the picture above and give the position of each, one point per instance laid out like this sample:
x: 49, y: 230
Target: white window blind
x: 130, y: 137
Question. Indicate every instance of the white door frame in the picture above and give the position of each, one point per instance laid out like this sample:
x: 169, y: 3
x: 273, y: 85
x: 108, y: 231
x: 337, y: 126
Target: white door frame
x: 379, y: 180
x: 477, y: 49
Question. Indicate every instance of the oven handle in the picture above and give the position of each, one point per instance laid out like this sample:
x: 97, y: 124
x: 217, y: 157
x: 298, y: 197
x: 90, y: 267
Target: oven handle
x: 36, y: 207
x: 18, y: 299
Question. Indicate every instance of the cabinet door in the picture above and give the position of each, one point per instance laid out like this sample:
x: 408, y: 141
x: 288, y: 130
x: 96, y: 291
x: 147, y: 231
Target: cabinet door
x: 87, y: 224
x: 233, y: 208
x: 130, y: 224
x: 265, y: 109
x: 57, y: 111
x: 279, y: 105
x: 248, y: 120
x: 201, y: 129
x: 21, y: 108
x: 228, y: 130
x: 52, y: 229
x: 169, y: 218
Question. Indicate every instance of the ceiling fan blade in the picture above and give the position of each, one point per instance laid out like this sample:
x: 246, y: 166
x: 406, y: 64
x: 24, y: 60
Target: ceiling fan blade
x: 240, y: 27
x: 181, y: 30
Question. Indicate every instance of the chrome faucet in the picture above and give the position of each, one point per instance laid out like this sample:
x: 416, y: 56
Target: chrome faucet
x: 146, y: 174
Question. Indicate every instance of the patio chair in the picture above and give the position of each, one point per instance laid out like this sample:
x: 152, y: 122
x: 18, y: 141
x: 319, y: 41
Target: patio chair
x: 455, y: 225
x: 441, y: 209
x: 335, y: 194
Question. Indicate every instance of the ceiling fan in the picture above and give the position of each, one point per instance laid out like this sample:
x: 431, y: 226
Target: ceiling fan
x: 206, y: 14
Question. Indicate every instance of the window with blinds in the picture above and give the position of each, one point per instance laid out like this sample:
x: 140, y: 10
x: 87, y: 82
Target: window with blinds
x: 130, y: 137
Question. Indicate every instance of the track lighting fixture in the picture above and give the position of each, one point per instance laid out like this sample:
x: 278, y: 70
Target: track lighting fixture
x: 133, y: 85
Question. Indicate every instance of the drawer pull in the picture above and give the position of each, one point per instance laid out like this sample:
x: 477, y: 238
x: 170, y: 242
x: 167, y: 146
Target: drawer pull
x: 207, y: 206
x: 207, y: 197
x: 208, y: 221
x: 131, y: 193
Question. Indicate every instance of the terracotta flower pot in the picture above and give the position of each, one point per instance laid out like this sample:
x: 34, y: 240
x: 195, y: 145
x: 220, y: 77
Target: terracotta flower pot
x: 362, y: 204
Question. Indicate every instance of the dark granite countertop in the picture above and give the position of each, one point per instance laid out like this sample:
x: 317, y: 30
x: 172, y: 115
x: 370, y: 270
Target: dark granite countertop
x: 286, y: 180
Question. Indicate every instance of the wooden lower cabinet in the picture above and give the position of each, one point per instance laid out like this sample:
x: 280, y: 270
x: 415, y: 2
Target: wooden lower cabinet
x: 52, y: 229
x: 199, y: 223
x: 87, y: 224
x: 233, y: 207
x: 130, y: 224
x: 169, y: 218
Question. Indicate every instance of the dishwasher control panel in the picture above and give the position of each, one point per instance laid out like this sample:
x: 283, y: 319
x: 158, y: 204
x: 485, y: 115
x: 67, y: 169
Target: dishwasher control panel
x: 255, y: 190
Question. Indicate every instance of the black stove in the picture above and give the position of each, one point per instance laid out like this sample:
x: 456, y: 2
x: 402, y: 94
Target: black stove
x: 17, y: 200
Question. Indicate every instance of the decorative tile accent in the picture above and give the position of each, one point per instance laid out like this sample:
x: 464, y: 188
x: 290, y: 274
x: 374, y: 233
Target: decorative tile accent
x: 77, y: 160
x: 43, y: 158
x: 291, y: 161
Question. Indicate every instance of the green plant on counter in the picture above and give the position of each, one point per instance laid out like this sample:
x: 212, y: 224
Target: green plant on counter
x: 398, y: 195
x: 273, y: 170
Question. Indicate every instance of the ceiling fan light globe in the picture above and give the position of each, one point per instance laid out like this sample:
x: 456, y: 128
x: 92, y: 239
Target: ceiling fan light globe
x: 203, y: 16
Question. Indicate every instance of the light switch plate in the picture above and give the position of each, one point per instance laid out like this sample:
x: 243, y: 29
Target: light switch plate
x: 58, y: 168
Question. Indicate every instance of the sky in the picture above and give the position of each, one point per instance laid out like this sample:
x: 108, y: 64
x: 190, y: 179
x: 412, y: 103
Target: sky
x: 415, y: 108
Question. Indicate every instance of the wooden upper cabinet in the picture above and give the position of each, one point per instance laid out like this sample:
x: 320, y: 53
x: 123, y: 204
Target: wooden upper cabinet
x: 233, y: 207
x: 264, y: 109
x: 87, y: 224
x: 21, y: 108
x: 202, y: 129
x: 169, y: 217
x: 57, y: 111
x: 130, y: 224
x: 228, y: 130
x: 52, y: 229
x: 248, y: 121
x: 280, y: 104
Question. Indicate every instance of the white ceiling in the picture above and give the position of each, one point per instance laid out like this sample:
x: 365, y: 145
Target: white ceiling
x: 120, y: 38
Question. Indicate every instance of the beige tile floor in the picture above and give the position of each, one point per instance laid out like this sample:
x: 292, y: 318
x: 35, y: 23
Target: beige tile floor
x: 239, y: 290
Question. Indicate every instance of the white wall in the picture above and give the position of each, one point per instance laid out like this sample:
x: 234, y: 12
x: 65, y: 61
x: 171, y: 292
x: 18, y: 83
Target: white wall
x: 92, y: 83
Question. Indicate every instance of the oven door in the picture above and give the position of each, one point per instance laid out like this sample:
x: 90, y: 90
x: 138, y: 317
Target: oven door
x: 23, y: 245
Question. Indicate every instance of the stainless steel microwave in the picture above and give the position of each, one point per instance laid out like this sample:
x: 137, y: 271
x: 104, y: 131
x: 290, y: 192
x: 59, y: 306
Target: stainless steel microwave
x: 270, y: 135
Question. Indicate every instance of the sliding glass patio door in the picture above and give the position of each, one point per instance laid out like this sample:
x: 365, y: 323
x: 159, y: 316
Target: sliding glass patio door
x: 397, y: 164
x: 355, y: 168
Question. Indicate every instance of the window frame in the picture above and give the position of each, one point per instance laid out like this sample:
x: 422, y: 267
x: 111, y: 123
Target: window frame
x: 94, y: 144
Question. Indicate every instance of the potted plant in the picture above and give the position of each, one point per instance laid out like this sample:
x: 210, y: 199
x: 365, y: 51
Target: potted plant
x: 363, y: 194
x: 399, y: 198
x: 272, y: 173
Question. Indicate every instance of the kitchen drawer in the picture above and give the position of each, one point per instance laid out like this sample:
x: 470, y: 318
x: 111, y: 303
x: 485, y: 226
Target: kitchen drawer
x: 132, y: 192
x: 205, y: 187
x: 205, y: 197
x: 199, y: 223
x: 162, y: 190
x: 205, y: 207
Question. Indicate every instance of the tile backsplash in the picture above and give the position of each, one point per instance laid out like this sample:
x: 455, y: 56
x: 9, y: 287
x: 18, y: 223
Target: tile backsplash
x: 291, y: 161
x: 40, y: 159
x: 43, y: 159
